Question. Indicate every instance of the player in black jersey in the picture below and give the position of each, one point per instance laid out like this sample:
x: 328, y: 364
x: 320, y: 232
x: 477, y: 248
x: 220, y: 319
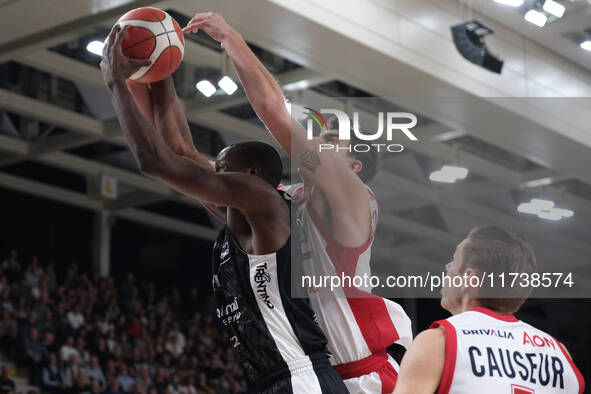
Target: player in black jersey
x: 279, y: 344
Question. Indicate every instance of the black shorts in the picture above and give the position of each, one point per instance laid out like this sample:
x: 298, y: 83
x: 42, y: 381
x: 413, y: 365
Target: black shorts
x: 311, y: 375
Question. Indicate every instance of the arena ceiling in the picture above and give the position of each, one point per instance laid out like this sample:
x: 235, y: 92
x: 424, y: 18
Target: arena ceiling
x: 58, y: 134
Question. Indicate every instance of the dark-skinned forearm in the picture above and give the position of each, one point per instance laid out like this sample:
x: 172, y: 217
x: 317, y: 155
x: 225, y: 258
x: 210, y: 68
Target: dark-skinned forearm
x: 171, y: 121
x: 143, y: 139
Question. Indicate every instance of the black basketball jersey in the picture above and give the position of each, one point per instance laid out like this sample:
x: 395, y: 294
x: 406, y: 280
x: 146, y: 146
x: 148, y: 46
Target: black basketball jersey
x: 268, y: 328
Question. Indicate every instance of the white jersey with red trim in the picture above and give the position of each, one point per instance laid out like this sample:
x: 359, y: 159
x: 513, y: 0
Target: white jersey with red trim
x: 492, y: 353
x: 356, y: 322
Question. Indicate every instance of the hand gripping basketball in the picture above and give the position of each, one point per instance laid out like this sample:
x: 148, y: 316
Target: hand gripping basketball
x: 115, y: 66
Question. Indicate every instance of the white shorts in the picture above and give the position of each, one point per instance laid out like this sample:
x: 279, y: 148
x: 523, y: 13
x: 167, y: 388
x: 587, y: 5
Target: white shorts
x: 380, y: 381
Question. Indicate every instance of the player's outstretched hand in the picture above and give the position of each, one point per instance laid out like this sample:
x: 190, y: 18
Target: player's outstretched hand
x: 117, y: 67
x: 210, y: 22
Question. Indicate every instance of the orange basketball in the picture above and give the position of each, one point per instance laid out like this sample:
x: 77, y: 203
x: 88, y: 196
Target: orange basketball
x: 153, y: 34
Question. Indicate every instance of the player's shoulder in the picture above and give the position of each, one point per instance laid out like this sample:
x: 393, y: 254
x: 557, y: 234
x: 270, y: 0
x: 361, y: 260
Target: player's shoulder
x: 428, y: 344
x: 432, y: 335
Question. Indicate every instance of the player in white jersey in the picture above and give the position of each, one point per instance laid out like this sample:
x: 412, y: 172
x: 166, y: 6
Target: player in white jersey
x: 338, y: 219
x: 483, y: 347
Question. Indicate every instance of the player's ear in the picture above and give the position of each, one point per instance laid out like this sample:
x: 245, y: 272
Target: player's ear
x: 255, y: 170
x: 356, y: 165
x: 468, y: 286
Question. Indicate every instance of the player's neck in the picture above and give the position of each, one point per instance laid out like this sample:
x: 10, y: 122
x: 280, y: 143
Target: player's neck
x: 471, y: 303
x: 467, y: 304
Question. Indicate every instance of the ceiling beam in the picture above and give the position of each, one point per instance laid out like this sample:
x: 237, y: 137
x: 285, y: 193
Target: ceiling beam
x: 47, y: 191
x: 49, y: 113
x: 64, y: 32
x: 167, y: 223
x: 299, y: 79
x: 80, y: 200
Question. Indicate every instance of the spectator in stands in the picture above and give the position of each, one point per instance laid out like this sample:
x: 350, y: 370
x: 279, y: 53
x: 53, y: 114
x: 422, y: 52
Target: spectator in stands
x: 49, y: 343
x: 95, y: 387
x: 101, y: 351
x: 94, y: 372
x: 144, y: 332
x: 3, y: 282
x: 188, y: 387
x: 175, y: 387
x: 63, y: 330
x: 127, y: 349
x: 32, y: 321
x: 71, y: 371
x: 8, y: 332
x: 50, y: 278
x: 6, y: 384
x: 83, y: 355
x: 138, y: 359
x: 111, y: 369
x: 203, y: 386
x: 104, y: 324
x: 126, y: 381
x: 52, y: 375
x: 76, y: 318
x: 11, y: 268
x: 72, y: 278
x: 160, y: 380
x: 33, y: 273
x: 126, y: 288
x: 22, y: 292
x: 143, y: 379
x: 111, y: 341
x: 136, y: 328
x: 80, y: 385
x: 34, y: 354
x: 166, y: 363
x: 68, y: 350
x: 175, y: 343
x: 113, y: 387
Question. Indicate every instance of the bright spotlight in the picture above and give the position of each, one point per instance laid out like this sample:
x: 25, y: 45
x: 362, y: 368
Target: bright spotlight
x: 206, y: 88
x: 550, y: 215
x: 449, y: 174
x: 227, y: 85
x: 536, y: 17
x: 554, y: 8
x: 95, y: 47
x: 512, y: 3
x: 457, y: 172
x: 586, y: 45
x: 544, y: 209
x: 440, y: 176
x: 542, y: 204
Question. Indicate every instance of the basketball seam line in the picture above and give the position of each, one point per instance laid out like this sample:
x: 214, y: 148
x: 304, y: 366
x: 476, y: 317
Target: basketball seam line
x: 149, y: 38
x: 167, y: 37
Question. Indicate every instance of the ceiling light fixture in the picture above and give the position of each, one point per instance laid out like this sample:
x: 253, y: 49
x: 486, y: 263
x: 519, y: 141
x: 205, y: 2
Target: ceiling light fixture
x: 228, y: 85
x: 536, y: 17
x: 449, y: 174
x: 205, y: 87
x: 95, y: 47
x: 554, y: 8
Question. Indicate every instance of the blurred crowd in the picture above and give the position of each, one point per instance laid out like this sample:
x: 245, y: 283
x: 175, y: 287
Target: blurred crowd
x: 78, y: 334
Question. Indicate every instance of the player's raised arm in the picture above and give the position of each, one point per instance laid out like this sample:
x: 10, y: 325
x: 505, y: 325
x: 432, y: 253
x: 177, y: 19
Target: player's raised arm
x: 160, y: 104
x: 154, y: 157
x: 331, y: 172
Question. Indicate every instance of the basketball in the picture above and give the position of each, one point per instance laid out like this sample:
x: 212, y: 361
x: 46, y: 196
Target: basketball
x: 153, y: 34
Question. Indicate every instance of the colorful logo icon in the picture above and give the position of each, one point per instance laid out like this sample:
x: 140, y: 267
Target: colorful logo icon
x: 317, y: 116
